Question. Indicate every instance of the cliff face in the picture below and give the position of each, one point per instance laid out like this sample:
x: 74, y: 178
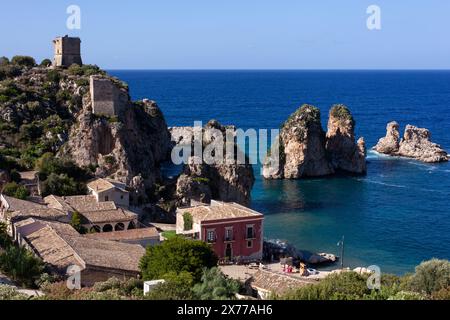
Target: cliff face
x: 345, y: 154
x: 415, y: 144
x: 306, y: 151
x: 133, y: 144
x: 203, y: 182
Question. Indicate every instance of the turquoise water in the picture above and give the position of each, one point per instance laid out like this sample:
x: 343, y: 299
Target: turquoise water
x: 395, y: 217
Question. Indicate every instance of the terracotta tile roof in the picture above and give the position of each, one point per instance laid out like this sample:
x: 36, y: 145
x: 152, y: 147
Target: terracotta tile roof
x: 107, y: 254
x: 49, y: 245
x: 105, y: 216
x: 17, y: 204
x: 277, y: 283
x: 43, y: 213
x: 99, y: 185
x: 88, y: 203
x: 57, y: 203
x: 135, y: 234
x: 220, y: 210
x: 61, y: 246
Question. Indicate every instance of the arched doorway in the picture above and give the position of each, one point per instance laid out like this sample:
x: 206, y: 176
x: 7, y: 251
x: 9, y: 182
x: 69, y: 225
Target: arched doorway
x: 131, y: 225
x: 107, y: 228
x: 119, y: 227
x: 95, y: 229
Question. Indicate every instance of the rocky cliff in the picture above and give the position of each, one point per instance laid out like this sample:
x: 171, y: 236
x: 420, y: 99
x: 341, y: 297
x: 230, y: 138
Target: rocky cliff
x: 416, y: 143
x: 344, y: 153
x: 219, y: 181
x: 49, y: 110
x: 305, y: 150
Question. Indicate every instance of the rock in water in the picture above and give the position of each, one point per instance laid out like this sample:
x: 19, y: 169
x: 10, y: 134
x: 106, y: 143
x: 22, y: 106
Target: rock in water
x: 415, y: 144
x: 390, y: 143
x: 345, y: 154
x: 201, y: 181
x: 301, y: 148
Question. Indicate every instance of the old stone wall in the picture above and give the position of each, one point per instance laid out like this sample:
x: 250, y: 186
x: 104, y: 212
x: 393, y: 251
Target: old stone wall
x: 107, y: 98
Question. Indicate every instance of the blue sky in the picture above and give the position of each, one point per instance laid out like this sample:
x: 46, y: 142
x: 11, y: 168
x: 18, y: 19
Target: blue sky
x: 236, y: 34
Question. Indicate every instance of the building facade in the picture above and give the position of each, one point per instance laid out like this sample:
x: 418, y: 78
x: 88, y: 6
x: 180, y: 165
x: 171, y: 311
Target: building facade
x: 234, y: 232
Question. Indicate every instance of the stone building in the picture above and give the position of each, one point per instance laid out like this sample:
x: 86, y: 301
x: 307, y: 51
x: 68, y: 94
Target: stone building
x: 61, y: 247
x: 67, y: 51
x: 107, y: 98
x: 109, y: 190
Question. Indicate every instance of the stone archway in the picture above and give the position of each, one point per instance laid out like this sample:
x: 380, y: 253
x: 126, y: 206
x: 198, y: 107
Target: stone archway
x: 119, y: 227
x: 132, y: 225
x: 95, y: 229
x: 107, y: 228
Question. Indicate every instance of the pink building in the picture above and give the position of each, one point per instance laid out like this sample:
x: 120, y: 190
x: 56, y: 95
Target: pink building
x: 234, y: 231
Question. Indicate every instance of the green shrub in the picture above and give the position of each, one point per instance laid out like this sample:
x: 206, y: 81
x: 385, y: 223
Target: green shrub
x: 176, y: 255
x: 46, y: 63
x: 4, y: 61
x: 215, y: 286
x: 23, y: 61
x: 9, y: 71
x: 5, y: 240
x: 15, y: 190
x: 188, y: 221
x: 21, y: 265
x: 53, y: 76
x: 75, y: 70
x: 431, y: 276
x: 177, y: 286
x: 75, y: 222
x: 11, y: 293
x: 341, y: 112
x: 82, y: 82
x: 15, y: 176
x: 62, y: 185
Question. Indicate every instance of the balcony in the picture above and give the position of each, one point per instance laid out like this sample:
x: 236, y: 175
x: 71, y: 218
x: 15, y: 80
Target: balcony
x: 250, y: 236
x: 228, y: 239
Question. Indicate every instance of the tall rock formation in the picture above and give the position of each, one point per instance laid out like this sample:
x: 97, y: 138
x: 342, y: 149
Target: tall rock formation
x: 203, y: 182
x: 132, y: 143
x: 301, y: 147
x: 390, y: 143
x: 344, y: 153
x: 306, y: 151
x: 416, y: 143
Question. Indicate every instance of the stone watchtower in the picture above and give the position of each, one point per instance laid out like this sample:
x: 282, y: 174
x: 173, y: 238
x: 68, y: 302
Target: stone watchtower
x: 67, y: 51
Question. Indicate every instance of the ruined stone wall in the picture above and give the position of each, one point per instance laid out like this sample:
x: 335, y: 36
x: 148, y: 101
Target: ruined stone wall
x: 107, y: 98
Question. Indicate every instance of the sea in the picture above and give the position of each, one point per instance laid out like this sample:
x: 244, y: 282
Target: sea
x: 395, y: 217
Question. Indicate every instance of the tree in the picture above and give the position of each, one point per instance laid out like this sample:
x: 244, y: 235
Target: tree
x: 15, y: 176
x: 4, y: 61
x: 21, y: 265
x: 215, y: 286
x: 176, y: 255
x: 15, y: 190
x: 24, y: 61
x: 175, y: 287
x: 188, y: 221
x: 60, y: 185
x: 431, y: 276
x: 5, y: 240
x: 75, y: 222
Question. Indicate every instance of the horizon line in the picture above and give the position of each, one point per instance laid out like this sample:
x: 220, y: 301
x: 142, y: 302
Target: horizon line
x: 269, y: 69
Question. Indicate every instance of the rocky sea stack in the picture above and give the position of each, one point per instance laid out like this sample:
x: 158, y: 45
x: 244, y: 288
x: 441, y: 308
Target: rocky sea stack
x: 416, y: 143
x: 305, y: 150
x: 203, y: 182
